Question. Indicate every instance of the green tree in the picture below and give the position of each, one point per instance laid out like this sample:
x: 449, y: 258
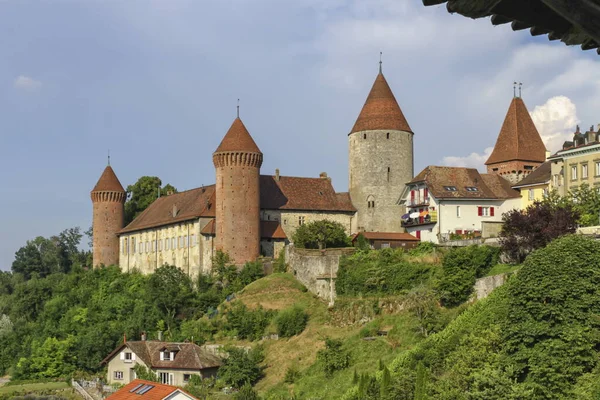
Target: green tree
x: 333, y: 357
x: 142, y: 372
x: 246, y: 393
x: 172, y: 290
x: 291, y: 322
x: 242, y: 366
x: 361, y: 242
x: 321, y: 234
x: 421, y: 383
x: 51, y: 359
x: 421, y: 302
x: 586, y: 202
x: 142, y: 193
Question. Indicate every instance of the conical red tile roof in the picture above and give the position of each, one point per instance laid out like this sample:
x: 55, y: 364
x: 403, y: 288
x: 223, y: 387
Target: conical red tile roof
x: 381, y: 110
x: 108, y: 182
x: 518, y: 138
x: 238, y: 138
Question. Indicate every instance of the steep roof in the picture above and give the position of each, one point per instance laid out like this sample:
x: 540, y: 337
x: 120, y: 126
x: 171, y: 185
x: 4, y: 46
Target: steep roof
x: 108, y: 182
x: 539, y: 175
x: 157, y: 391
x: 400, y: 236
x: 518, y: 138
x: 238, y: 138
x: 381, y: 110
x: 189, y: 355
x: 187, y: 205
x: 488, y: 186
x: 271, y: 230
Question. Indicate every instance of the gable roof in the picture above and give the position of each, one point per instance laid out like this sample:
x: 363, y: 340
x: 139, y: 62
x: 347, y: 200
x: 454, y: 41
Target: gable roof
x: 271, y: 230
x: 381, y: 110
x: 189, y: 355
x: 400, y: 236
x: 158, y: 391
x: 518, y: 138
x: 188, y: 205
x: 108, y: 182
x: 489, y: 186
x: 540, y: 175
x: 238, y: 138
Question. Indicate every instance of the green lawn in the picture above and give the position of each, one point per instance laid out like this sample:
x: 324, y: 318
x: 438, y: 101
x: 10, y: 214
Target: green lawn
x: 32, y: 387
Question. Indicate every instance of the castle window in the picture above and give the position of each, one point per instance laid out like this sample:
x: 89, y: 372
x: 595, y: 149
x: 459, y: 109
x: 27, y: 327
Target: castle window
x: 529, y: 167
x: 387, y: 135
x: 160, y: 245
x: 584, y: 171
x: 388, y: 171
x: 133, y: 245
x: 173, y: 243
x: 285, y: 221
x: 301, y: 220
x: 124, y: 245
x: 364, y: 136
x: 167, y: 244
x: 153, y: 246
x: 597, y: 168
x: 186, y: 241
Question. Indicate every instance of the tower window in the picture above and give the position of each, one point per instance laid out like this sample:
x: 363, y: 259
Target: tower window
x: 364, y: 135
x: 387, y: 135
x: 388, y: 172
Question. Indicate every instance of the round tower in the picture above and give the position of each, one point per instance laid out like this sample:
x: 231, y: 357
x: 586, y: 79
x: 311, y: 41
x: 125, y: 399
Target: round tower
x: 380, y: 160
x: 237, y: 162
x: 108, y: 199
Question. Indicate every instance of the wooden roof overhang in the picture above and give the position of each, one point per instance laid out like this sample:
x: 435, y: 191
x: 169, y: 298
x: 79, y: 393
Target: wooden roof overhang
x: 574, y: 22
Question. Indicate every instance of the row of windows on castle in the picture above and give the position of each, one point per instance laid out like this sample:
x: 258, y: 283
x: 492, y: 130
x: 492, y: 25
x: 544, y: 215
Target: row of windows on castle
x: 179, y: 242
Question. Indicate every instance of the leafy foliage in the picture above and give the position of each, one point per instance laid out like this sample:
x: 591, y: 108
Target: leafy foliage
x: 291, y: 322
x: 461, y: 267
x: 245, y: 323
x: 379, y: 271
x: 321, y: 234
x: 584, y: 200
x: 142, y: 193
x: 542, y: 222
x: 246, y: 393
x: 421, y: 302
x: 242, y: 366
x: 333, y: 357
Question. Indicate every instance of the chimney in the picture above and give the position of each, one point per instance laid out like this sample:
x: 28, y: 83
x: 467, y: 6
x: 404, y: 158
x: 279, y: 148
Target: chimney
x: 277, y: 174
x: 143, y: 336
x: 160, y: 336
x: 323, y: 175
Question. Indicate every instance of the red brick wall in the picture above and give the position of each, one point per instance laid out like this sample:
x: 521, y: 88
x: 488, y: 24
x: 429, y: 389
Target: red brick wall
x: 513, y: 171
x: 238, y: 205
x: 108, y: 219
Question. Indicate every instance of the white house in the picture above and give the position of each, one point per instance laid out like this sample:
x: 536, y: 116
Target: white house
x: 452, y: 202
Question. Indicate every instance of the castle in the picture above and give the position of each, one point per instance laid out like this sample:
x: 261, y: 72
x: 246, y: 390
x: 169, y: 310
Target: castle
x: 246, y: 214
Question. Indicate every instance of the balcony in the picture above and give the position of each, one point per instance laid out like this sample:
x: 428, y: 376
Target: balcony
x: 428, y: 219
x: 418, y: 202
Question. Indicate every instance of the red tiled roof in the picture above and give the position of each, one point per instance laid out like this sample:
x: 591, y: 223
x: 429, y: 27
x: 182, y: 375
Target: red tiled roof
x: 188, y: 205
x: 293, y: 193
x: 158, y: 391
x: 381, y: 110
x: 539, y: 175
x: 401, y: 236
x: 238, y: 138
x: 489, y: 186
x: 209, y: 229
x: 518, y: 138
x: 108, y: 182
x: 271, y: 230
x: 189, y: 355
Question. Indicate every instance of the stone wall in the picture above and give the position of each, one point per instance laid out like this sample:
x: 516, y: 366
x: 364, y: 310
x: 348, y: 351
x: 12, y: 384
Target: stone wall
x: 484, y: 286
x: 316, y: 268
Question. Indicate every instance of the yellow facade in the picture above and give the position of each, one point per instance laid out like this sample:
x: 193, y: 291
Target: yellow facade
x: 573, y: 167
x: 533, y: 193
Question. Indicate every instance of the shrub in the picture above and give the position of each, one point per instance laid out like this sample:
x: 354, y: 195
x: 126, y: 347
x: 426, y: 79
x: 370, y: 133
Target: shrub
x: 333, y: 357
x: 321, y: 234
x: 361, y: 242
x: 279, y: 265
x: 245, y: 323
x: 246, y: 393
x: 242, y: 367
x: 291, y: 322
x: 461, y: 266
x: 422, y: 248
x: 292, y: 374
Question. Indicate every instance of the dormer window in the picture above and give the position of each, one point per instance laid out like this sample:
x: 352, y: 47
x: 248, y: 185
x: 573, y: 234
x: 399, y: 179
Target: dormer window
x: 450, y: 188
x: 166, y: 355
x: 471, y: 189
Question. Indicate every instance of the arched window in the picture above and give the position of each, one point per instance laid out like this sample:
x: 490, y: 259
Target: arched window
x: 370, y: 201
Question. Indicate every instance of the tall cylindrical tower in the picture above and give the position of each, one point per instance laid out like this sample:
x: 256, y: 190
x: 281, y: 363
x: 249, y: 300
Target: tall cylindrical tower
x: 380, y: 161
x: 237, y: 162
x: 108, y: 199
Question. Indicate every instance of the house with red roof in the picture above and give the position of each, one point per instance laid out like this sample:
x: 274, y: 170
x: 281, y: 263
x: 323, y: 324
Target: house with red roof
x: 140, y: 389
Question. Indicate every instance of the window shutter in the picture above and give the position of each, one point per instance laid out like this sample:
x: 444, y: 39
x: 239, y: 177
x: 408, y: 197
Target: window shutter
x: 492, y: 211
x: 172, y: 355
x: 425, y: 192
x: 479, y: 211
x: 122, y: 355
x: 162, y: 356
x: 412, y: 195
x: 133, y: 356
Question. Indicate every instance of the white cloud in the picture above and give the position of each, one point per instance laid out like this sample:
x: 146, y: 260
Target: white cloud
x: 26, y: 83
x: 473, y: 160
x: 555, y: 120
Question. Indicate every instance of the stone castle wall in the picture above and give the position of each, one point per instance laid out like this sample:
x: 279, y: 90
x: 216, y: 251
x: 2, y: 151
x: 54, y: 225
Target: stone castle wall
x: 380, y: 164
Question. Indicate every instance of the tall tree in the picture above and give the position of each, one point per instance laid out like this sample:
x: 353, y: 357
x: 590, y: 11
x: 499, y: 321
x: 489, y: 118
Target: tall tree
x: 321, y: 234
x: 142, y: 193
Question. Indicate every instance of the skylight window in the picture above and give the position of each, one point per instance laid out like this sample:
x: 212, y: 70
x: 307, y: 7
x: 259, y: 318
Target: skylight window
x: 450, y: 188
x: 136, y: 388
x: 144, y: 389
x: 471, y: 189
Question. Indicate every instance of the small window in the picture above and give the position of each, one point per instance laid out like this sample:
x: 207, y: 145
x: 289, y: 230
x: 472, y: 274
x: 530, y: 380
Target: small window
x: 186, y: 378
x: 119, y: 375
x: 531, y: 194
x: 388, y: 172
x: 133, y: 245
x: 167, y: 356
x: 301, y: 220
x: 529, y: 167
x: 128, y: 356
x: 584, y: 171
x: 173, y: 243
x: 450, y: 188
x: 597, y: 168
x: 387, y: 135
x: 160, y: 244
x: 364, y: 135
x: 471, y: 189
x: 153, y: 245
x: 458, y: 211
x: 166, y: 244
x: 574, y: 172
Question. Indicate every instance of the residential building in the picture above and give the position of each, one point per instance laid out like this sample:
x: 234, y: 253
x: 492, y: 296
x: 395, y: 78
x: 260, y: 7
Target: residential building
x: 173, y: 363
x: 248, y: 214
x: 535, y: 186
x: 140, y: 389
x: 578, y: 162
x: 519, y: 148
x: 383, y: 240
x: 452, y: 202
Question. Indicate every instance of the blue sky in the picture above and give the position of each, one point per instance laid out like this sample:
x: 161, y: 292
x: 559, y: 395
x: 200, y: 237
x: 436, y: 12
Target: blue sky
x: 156, y: 82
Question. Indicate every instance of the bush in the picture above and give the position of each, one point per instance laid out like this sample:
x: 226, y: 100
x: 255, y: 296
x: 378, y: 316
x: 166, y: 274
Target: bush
x: 245, y: 323
x: 423, y: 248
x: 291, y: 322
x: 246, y: 393
x: 461, y: 267
x: 279, y: 265
x: 242, y: 367
x: 333, y: 357
x: 383, y: 271
x: 292, y: 374
x: 321, y: 234
x: 361, y: 242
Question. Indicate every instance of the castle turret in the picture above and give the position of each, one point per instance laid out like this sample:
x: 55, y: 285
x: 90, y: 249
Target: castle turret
x: 108, y: 198
x: 519, y: 148
x: 237, y: 162
x: 380, y: 160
